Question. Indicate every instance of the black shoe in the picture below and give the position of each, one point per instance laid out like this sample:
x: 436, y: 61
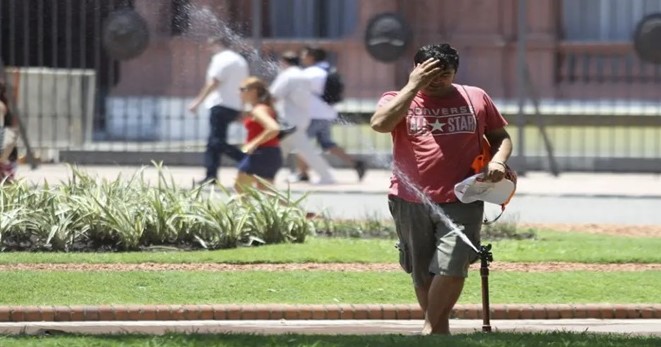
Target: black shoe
x: 360, y: 169
x: 286, y: 130
x: 299, y: 177
x: 207, y: 180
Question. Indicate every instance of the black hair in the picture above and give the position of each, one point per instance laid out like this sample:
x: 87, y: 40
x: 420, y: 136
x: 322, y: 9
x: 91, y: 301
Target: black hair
x: 445, y: 53
x: 5, y: 100
x: 291, y: 58
x: 3, y: 93
x: 317, y: 53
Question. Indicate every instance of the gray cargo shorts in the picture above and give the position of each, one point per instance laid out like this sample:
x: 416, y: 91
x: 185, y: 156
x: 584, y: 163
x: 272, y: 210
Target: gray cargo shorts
x: 426, y: 246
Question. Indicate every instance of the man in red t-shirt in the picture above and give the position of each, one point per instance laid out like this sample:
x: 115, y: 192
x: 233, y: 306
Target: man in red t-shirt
x: 436, y: 128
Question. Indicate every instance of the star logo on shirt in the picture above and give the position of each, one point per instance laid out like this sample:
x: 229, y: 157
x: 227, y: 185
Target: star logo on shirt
x: 437, y: 125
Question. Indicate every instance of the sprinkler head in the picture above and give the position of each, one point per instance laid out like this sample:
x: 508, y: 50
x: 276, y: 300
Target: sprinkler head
x: 485, y: 253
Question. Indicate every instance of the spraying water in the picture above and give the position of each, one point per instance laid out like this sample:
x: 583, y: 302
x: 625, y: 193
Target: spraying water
x: 381, y: 161
x: 435, y: 208
x: 204, y: 23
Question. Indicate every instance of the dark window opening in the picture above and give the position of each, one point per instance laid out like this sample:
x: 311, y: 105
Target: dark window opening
x: 61, y: 35
x: 180, y: 18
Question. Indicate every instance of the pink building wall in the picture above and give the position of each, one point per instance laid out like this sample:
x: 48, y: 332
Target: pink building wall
x: 484, y: 31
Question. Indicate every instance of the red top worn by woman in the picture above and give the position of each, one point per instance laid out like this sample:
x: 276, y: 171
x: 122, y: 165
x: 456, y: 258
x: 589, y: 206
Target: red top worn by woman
x: 254, y: 129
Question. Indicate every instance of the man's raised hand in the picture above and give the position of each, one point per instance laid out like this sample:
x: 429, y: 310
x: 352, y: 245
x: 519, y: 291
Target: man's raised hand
x: 424, y: 73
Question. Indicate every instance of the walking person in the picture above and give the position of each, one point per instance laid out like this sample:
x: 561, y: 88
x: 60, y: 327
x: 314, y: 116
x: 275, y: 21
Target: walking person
x: 220, y: 94
x: 322, y: 114
x: 8, y: 139
x: 291, y: 90
x: 263, y: 156
x: 437, y: 128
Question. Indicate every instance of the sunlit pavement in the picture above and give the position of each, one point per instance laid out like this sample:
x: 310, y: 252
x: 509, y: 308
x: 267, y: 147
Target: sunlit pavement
x: 602, y: 198
x: 377, y: 181
x: 333, y: 327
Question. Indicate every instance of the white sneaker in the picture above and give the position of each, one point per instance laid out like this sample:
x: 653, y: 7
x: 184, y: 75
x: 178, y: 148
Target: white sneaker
x: 324, y: 181
x: 295, y: 178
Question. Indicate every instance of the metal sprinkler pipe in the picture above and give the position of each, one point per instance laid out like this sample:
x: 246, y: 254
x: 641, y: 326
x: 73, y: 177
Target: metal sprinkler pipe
x: 486, y: 256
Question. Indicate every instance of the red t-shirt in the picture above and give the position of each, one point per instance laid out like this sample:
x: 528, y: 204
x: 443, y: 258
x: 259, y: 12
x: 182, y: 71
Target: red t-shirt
x: 254, y: 128
x: 436, y: 143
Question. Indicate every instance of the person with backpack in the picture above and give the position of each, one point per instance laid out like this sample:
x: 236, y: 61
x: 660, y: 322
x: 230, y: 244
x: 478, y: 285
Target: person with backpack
x: 292, y: 94
x: 327, y: 86
x: 437, y: 128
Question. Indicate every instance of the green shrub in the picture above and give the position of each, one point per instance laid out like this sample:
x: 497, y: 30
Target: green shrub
x: 89, y: 214
x: 370, y: 227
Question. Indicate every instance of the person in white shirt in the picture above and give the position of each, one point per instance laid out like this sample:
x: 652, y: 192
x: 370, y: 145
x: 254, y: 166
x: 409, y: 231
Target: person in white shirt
x: 221, y: 95
x: 292, y: 92
x: 322, y: 114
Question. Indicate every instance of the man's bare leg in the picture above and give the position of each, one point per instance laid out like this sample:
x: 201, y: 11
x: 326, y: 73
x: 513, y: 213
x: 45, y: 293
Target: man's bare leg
x: 357, y: 165
x: 443, y: 295
x: 422, y: 294
x: 340, y: 153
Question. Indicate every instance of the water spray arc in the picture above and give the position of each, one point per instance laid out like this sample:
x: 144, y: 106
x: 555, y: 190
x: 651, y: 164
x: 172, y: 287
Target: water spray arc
x: 204, y: 23
x: 484, y: 252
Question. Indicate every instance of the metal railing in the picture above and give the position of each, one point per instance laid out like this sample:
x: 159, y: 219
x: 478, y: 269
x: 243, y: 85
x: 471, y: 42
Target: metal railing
x: 601, y: 112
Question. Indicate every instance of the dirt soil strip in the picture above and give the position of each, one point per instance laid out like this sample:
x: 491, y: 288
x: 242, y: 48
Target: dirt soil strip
x: 335, y: 267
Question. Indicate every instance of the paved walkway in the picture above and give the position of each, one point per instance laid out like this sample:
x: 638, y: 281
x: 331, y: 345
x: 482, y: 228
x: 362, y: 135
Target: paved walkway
x: 576, y: 198
x: 323, y: 319
x: 650, y: 327
x: 376, y: 181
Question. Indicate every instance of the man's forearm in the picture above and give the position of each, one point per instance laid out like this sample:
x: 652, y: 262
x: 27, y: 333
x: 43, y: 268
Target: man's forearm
x: 206, y: 90
x: 386, y: 118
x: 503, y: 150
x: 264, y: 137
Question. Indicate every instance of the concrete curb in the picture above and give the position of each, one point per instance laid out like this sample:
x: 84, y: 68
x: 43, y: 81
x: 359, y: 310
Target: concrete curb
x: 411, y: 327
x: 316, y: 312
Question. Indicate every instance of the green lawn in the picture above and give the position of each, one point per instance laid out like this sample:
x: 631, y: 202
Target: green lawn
x: 561, y: 339
x: 606, y: 141
x: 316, y: 287
x: 191, y: 287
x: 549, y: 246
x: 580, y: 247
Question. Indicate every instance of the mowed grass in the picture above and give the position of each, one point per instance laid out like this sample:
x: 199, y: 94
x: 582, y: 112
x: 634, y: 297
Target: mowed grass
x: 243, y: 340
x: 581, y: 248
x: 314, y: 287
x: 326, y: 287
x: 548, y: 246
x: 606, y: 141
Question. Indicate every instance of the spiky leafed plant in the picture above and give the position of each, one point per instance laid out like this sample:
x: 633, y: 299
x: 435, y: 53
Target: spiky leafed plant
x: 130, y: 213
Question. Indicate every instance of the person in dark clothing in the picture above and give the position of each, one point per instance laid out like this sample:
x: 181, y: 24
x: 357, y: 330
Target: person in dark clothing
x: 220, y: 94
